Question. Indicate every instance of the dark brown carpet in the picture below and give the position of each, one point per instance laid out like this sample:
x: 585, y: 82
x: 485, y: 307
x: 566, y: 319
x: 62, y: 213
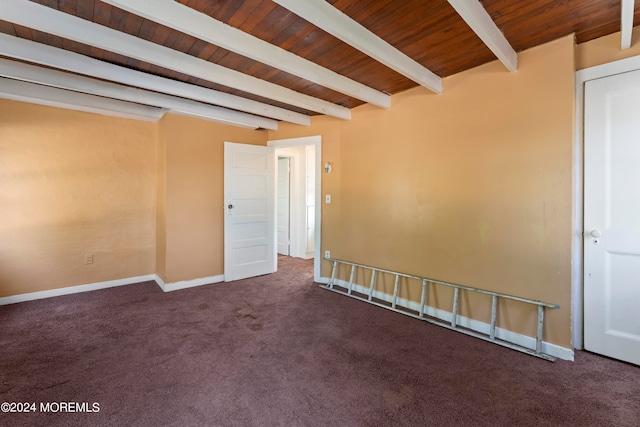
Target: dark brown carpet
x: 278, y: 351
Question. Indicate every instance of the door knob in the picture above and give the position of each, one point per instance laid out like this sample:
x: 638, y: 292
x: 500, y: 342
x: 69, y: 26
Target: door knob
x: 230, y: 206
x: 595, y: 233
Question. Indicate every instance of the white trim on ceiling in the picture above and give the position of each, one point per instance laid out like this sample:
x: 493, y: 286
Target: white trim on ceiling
x: 475, y: 15
x: 60, y: 79
x: 626, y: 23
x: 53, y: 97
x: 189, y: 21
x: 328, y: 18
x: 51, y: 21
x: 50, y: 56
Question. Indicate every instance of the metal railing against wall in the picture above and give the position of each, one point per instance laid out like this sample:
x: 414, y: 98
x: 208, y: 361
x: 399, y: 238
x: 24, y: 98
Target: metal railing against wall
x: 453, y: 324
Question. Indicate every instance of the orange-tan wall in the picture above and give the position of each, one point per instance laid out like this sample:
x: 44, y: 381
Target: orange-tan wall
x: 71, y: 184
x: 472, y: 186
x: 605, y: 49
x: 194, y: 169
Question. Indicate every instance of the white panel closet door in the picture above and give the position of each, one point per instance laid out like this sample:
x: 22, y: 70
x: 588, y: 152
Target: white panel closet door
x: 612, y: 217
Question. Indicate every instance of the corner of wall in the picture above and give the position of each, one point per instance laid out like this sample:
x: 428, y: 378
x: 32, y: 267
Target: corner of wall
x: 161, y: 202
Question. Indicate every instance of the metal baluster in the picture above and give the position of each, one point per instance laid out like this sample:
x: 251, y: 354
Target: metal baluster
x: 353, y: 270
x: 454, y: 312
x: 395, y: 292
x: 373, y: 280
x: 333, y: 274
x: 423, y: 299
x: 494, y: 310
x: 539, y: 334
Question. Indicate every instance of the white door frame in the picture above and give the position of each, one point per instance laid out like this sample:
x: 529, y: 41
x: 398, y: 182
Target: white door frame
x: 290, y: 214
x: 577, y: 256
x: 317, y: 142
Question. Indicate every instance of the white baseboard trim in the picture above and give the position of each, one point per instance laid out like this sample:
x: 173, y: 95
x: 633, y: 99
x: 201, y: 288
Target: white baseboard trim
x: 174, y: 286
x: 474, y: 325
x: 13, y: 299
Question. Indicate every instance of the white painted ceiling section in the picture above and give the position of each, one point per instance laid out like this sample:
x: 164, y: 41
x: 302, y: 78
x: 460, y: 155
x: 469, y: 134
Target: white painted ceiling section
x: 626, y: 23
x: 475, y: 15
x: 45, y: 76
x: 43, y: 18
x: 189, y: 21
x: 50, y: 56
x: 54, y: 97
x: 333, y: 21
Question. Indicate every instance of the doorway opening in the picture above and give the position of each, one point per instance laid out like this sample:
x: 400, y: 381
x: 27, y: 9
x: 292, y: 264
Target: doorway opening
x: 303, y: 157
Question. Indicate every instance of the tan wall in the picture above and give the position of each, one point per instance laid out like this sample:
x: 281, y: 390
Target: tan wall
x: 71, y: 184
x: 605, y: 49
x: 194, y: 194
x: 472, y: 186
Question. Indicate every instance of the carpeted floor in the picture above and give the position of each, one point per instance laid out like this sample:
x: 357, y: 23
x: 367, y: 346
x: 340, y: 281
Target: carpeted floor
x: 278, y: 351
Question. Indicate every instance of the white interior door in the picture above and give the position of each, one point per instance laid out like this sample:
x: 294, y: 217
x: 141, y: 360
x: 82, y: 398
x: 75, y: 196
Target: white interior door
x: 249, y: 203
x: 612, y: 217
x: 284, y: 205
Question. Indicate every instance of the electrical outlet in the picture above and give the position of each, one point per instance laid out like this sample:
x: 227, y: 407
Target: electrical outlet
x: 88, y: 259
x: 327, y: 254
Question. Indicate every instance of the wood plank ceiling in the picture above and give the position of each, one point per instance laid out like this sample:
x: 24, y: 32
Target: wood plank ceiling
x: 428, y: 31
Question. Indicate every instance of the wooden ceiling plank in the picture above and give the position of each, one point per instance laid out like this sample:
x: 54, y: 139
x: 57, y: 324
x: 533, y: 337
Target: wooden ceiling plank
x: 37, y: 94
x: 248, y: 16
x: 101, y: 13
x: 626, y: 23
x: 190, y: 21
x: 475, y: 15
x: 37, y: 53
x: 63, y: 25
x: 328, y: 18
x: 84, y: 9
x: 62, y: 80
x: 7, y: 27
